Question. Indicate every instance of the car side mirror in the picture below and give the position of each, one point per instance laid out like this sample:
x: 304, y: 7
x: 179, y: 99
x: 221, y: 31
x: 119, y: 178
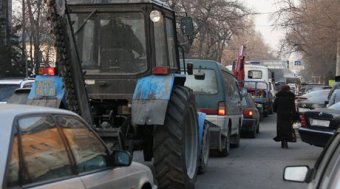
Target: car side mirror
x: 122, y: 158
x: 296, y: 173
x: 259, y: 106
x: 187, y: 26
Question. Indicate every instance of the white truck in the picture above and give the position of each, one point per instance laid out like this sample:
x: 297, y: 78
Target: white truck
x: 259, y: 82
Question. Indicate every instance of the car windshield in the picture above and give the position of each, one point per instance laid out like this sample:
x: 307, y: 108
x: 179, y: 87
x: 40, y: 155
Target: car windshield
x: 102, y: 47
x: 7, y: 90
x: 206, y: 86
x: 245, y: 102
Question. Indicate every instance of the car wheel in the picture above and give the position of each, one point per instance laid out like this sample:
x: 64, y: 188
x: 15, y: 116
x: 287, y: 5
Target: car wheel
x: 236, y: 138
x: 253, y: 132
x: 258, y: 128
x: 175, y: 144
x: 205, y: 150
x: 226, y: 150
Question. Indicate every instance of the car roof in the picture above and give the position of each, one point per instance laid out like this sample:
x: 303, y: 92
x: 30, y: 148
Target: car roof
x: 208, y: 64
x: 12, y: 110
x: 15, y: 80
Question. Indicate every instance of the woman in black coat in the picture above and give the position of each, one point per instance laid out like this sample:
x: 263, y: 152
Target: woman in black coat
x: 284, y: 106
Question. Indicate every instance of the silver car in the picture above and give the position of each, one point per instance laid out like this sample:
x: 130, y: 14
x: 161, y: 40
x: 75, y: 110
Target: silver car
x: 326, y: 171
x: 53, y: 148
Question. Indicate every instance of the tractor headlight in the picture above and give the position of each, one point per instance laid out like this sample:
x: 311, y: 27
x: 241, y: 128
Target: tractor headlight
x: 155, y: 16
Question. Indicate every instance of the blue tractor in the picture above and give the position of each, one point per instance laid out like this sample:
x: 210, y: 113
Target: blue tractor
x: 128, y: 84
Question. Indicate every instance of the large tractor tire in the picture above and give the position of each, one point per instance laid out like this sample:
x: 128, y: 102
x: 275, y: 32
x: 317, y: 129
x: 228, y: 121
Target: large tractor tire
x: 175, y: 144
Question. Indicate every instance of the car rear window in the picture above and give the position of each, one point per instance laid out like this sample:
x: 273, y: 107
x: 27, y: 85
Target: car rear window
x: 206, y: 86
x: 7, y: 90
x: 245, y: 102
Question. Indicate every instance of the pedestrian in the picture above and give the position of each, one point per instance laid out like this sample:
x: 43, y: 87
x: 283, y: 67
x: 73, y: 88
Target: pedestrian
x: 284, y: 106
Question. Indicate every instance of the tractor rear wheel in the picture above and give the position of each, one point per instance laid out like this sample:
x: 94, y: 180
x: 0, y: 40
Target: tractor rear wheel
x: 175, y: 144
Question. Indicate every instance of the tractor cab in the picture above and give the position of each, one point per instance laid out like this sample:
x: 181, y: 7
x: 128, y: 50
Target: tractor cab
x: 121, y: 42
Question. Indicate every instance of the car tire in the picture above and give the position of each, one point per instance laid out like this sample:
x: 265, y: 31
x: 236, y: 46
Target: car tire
x: 175, y: 144
x: 253, y: 132
x: 237, y: 139
x: 265, y: 113
x: 205, y: 151
x: 258, y: 128
x: 226, y: 150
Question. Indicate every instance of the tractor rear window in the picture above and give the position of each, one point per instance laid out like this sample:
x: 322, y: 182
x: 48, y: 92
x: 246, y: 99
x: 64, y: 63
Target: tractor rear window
x: 206, y: 86
x: 111, y: 43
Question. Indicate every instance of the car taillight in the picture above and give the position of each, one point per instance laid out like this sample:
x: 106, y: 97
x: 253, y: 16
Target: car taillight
x: 303, y: 120
x: 248, y: 112
x: 46, y: 71
x: 222, y: 108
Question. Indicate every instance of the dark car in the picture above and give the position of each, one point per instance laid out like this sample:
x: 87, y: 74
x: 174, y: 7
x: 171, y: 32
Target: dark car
x: 312, y: 100
x: 217, y: 94
x: 325, y: 173
x: 251, y: 116
x: 318, y: 126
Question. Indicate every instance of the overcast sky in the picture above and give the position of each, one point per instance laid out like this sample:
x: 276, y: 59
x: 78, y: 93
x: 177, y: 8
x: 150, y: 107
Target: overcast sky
x: 262, y: 22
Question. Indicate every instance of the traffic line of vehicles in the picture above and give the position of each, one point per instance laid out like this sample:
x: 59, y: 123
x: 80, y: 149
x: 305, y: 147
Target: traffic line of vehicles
x: 116, y: 71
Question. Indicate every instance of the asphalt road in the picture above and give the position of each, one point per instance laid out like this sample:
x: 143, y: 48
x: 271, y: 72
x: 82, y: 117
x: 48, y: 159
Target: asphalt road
x: 257, y: 164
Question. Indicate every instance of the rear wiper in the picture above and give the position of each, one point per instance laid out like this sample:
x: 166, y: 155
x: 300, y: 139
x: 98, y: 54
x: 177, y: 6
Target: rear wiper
x: 94, y: 11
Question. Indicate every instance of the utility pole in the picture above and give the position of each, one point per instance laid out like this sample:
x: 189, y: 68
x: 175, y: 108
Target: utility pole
x: 338, y: 43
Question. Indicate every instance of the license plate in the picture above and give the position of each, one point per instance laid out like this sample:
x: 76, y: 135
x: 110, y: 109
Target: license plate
x: 303, y: 109
x: 45, y: 88
x: 322, y: 123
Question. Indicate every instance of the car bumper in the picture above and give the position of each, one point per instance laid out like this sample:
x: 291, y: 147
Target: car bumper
x: 314, y: 137
x: 248, y: 125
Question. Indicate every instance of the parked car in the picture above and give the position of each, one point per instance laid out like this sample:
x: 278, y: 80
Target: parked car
x: 318, y: 126
x: 54, y: 148
x: 325, y: 173
x: 251, y: 116
x: 317, y: 88
x: 217, y: 94
x: 9, y: 85
x: 312, y: 100
x: 312, y: 87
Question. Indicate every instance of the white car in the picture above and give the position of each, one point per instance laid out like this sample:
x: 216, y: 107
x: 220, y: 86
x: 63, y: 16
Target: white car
x: 9, y: 85
x: 54, y: 148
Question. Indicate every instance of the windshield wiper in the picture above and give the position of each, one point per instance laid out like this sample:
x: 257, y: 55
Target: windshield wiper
x: 94, y: 11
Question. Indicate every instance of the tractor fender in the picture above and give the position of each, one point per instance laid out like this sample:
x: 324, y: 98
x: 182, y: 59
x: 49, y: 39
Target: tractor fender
x: 151, y: 97
x: 47, y: 91
x: 201, y: 118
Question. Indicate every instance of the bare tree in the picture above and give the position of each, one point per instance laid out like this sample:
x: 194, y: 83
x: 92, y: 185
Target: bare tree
x: 312, y: 31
